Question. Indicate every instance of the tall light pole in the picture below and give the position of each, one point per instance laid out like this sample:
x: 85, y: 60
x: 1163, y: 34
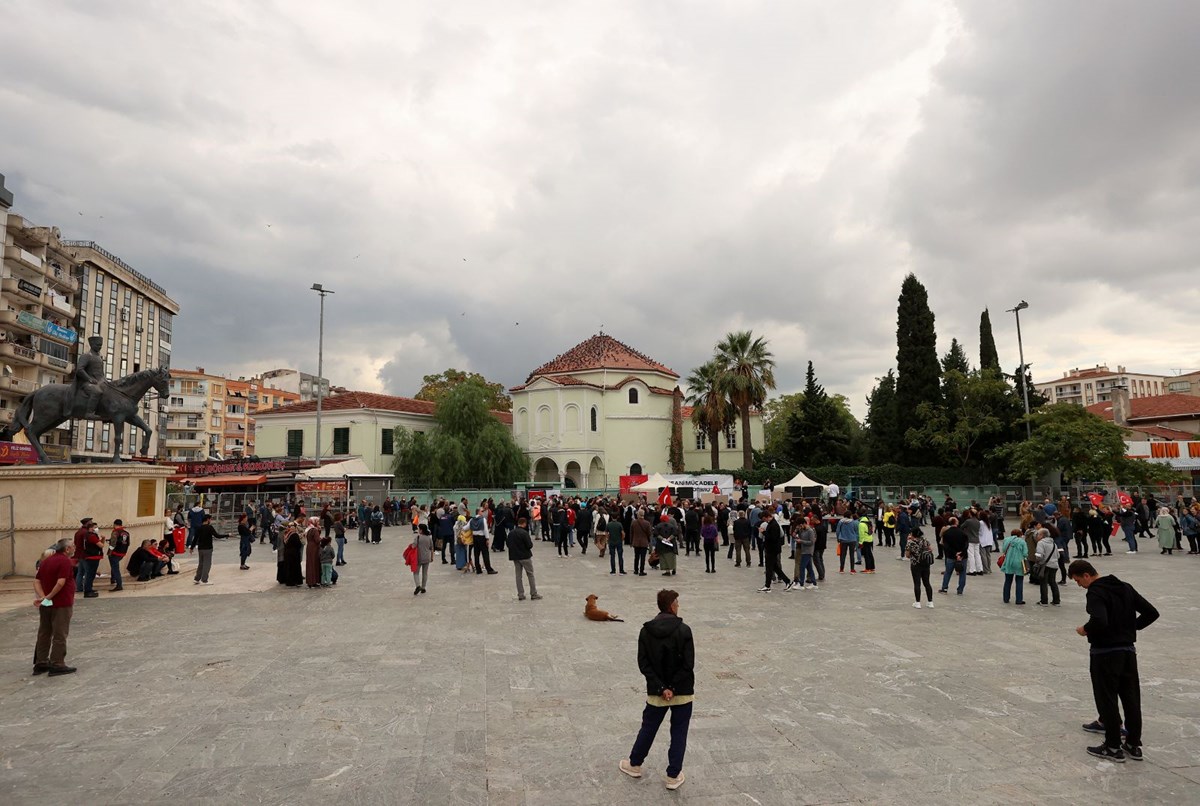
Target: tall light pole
x: 1016, y: 311
x: 322, y: 290
x: 1022, y: 305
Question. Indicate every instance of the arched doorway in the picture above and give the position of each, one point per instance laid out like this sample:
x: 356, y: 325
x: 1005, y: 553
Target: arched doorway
x: 545, y: 470
x: 596, y: 477
x: 635, y: 469
x: 573, y: 477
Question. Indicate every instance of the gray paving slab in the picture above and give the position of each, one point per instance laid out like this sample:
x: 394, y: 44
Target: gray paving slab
x: 244, y: 692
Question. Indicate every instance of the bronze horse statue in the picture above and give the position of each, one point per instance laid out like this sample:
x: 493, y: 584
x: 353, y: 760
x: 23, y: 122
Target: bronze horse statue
x: 52, y: 405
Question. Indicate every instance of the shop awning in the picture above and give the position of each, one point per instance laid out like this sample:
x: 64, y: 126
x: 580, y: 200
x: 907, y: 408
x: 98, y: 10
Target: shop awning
x: 230, y: 480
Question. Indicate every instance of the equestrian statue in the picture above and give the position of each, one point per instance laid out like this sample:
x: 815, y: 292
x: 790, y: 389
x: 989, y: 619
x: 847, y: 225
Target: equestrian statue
x: 89, y: 397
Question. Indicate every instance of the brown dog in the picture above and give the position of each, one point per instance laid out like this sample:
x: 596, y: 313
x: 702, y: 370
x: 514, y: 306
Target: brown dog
x: 595, y: 614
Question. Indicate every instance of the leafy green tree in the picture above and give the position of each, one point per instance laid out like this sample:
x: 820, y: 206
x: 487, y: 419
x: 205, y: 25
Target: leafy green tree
x: 747, y: 374
x: 775, y: 413
x: 988, y: 357
x: 468, y: 446
x: 884, y: 433
x: 712, y: 412
x: 817, y: 433
x: 435, y: 387
x: 918, y: 371
x: 1081, y: 445
x: 974, y: 408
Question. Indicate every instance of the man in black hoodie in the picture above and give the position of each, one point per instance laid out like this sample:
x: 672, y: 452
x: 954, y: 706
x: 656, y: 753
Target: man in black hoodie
x: 667, y: 659
x: 1116, y: 612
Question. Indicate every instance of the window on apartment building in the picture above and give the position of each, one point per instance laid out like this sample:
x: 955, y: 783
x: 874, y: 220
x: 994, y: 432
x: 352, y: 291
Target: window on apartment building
x: 701, y: 441
x: 730, y: 438
x: 341, y: 441
x: 386, y: 437
x: 295, y: 442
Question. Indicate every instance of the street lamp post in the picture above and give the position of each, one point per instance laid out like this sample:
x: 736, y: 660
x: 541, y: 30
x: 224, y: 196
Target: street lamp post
x: 1022, y: 305
x: 1016, y: 311
x: 320, y: 289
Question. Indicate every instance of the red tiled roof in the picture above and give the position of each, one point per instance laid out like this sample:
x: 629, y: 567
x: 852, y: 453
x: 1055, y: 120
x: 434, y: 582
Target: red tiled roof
x: 561, y: 380
x: 1154, y: 407
x: 571, y: 380
x: 601, y: 352
x: 1162, y: 432
x: 368, y: 400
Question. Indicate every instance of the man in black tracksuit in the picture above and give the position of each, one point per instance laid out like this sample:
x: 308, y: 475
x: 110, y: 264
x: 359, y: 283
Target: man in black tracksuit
x: 772, y: 540
x: 1116, y: 612
x: 667, y: 659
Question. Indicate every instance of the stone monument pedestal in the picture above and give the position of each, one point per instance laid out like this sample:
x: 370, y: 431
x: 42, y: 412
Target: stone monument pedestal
x: 49, y: 500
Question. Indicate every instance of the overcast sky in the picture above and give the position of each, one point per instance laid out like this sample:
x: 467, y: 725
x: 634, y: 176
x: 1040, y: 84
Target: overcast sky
x: 668, y: 170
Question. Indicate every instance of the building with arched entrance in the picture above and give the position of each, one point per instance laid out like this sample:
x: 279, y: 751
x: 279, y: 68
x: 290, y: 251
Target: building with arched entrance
x: 602, y: 410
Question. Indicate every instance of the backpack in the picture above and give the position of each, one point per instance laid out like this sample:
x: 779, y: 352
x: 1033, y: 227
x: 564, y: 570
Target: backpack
x: 926, y: 556
x: 478, y: 525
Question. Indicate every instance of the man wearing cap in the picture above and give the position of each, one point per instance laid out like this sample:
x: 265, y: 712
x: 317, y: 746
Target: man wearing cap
x: 54, y: 586
x: 77, y: 564
x: 89, y: 379
x: 93, y: 553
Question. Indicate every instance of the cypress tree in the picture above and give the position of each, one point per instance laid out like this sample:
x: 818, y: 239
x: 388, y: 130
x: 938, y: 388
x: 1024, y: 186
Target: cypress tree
x: 956, y: 359
x: 885, y: 436
x: 817, y: 433
x: 919, y: 373
x: 988, y: 357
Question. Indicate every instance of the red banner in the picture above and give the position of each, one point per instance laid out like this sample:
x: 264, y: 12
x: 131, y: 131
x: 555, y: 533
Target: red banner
x: 17, y: 453
x: 626, y: 482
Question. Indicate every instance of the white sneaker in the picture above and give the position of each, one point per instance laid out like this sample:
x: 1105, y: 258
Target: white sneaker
x: 929, y: 605
x: 205, y: 583
x: 814, y: 586
x: 195, y: 582
x: 629, y: 769
x: 787, y: 586
x: 764, y: 589
x: 917, y: 605
x: 809, y: 587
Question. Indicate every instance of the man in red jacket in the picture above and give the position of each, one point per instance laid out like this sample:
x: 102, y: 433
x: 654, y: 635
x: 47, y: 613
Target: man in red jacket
x: 55, y: 589
x: 93, y: 553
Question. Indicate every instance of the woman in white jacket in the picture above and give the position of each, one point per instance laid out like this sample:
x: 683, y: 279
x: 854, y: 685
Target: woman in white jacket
x: 1045, y: 556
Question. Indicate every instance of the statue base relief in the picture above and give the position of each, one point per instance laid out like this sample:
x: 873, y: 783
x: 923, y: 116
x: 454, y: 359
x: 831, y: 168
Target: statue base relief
x: 50, y: 500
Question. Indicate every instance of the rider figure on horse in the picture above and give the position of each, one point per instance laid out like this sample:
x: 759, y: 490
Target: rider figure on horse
x: 89, y: 379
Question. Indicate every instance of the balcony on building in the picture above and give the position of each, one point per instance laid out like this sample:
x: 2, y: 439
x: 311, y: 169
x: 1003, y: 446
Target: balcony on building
x: 16, y: 257
x: 28, y: 232
x: 19, y: 353
x: 184, y: 442
x: 61, y: 277
x: 22, y: 289
x: 20, y: 386
x: 58, y: 303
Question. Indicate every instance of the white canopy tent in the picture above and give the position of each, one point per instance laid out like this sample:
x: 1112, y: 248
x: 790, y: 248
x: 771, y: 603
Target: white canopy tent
x: 799, y: 480
x: 651, y: 485
x: 337, y: 470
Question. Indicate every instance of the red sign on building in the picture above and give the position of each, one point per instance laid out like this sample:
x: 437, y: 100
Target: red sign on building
x: 17, y: 453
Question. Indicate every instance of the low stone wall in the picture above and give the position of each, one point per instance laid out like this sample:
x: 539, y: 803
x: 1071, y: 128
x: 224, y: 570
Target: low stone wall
x: 49, y: 501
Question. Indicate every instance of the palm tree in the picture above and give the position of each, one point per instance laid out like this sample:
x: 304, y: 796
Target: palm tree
x: 712, y: 412
x: 747, y: 373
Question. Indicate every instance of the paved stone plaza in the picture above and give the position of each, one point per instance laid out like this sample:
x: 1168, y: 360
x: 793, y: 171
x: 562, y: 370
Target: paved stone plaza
x: 249, y: 693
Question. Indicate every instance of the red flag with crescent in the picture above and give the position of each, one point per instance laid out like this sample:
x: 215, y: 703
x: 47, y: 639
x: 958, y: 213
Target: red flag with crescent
x: 664, y: 497
x: 716, y: 489
x: 1096, y: 498
x: 1125, y: 500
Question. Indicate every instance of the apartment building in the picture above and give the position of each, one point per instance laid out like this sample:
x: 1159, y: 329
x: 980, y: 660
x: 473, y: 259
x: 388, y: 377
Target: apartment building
x: 135, y: 317
x: 1091, y: 385
x: 38, y: 331
x: 293, y: 380
x: 213, y: 416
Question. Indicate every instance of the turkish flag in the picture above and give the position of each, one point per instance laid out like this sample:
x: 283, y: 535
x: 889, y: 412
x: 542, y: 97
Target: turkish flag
x: 664, y: 497
x: 1125, y: 500
x: 716, y: 489
x: 1096, y: 498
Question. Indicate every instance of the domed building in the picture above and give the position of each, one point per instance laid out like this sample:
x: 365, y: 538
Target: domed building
x: 602, y: 410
